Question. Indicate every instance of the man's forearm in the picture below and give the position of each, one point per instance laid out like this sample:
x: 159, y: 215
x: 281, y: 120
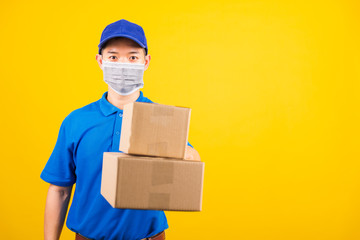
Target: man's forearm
x: 57, y: 202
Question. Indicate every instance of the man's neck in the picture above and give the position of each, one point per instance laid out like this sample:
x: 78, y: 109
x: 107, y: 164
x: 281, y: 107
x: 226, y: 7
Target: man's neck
x: 119, y: 100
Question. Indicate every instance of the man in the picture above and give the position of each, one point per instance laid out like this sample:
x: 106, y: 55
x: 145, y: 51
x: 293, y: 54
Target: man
x: 85, y: 134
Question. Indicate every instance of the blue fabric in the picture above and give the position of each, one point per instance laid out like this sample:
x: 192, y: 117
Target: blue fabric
x: 124, y: 28
x: 85, y: 134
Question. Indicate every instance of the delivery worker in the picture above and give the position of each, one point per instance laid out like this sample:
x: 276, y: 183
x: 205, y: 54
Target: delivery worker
x: 85, y: 134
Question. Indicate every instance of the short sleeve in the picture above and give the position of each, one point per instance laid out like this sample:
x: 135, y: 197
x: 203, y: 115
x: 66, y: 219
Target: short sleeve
x: 60, y: 167
x: 190, y: 145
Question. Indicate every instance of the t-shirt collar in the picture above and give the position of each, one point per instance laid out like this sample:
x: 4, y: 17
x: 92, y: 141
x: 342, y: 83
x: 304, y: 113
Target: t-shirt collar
x: 107, y: 108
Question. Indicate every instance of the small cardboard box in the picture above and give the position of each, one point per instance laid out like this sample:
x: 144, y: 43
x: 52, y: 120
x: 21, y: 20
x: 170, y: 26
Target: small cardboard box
x: 139, y: 182
x: 154, y: 130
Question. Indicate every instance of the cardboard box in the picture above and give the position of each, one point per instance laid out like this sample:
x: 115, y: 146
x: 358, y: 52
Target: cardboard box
x: 156, y: 183
x: 154, y: 130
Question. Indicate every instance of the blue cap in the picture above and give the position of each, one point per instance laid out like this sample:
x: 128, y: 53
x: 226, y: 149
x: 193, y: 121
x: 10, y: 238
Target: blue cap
x: 124, y: 28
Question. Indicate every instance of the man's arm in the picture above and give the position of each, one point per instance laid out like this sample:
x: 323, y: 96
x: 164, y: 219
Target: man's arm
x: 191, y: 154
x: 57, y: 202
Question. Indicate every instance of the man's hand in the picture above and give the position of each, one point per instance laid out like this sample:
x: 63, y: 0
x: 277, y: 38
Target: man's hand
x: 57, y: 202
x: 191, y: 154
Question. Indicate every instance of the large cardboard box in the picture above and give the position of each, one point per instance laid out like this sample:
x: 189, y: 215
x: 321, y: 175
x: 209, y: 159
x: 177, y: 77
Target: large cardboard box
x: 156, y: 183
x: 154, y: 130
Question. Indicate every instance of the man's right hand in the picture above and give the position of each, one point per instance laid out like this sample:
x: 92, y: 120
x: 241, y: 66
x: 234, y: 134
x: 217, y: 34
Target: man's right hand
x: 57, y: 202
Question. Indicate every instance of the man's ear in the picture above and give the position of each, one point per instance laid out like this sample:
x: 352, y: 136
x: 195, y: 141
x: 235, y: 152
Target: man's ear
x: 147, y: 61
x: 98, y: 58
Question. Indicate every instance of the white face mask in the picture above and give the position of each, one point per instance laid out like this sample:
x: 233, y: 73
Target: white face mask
x: 123, y: 78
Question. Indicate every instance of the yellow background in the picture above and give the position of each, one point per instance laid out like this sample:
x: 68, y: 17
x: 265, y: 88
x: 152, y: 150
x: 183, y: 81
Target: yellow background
x: 274, y: 92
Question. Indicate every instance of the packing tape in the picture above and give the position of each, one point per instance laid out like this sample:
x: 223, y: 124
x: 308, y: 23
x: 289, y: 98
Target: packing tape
x: 162, y: 111
x: 159, y: 148
x: 159, y: 201
x: 162, y: 172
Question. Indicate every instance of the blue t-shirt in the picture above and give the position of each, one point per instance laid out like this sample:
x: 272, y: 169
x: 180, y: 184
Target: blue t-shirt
x: 85, y: 134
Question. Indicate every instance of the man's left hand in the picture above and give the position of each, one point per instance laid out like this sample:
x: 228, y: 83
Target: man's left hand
x: 191, y: 154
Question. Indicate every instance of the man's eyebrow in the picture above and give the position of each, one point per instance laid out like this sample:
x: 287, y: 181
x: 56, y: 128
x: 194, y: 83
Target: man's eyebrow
x: 112, y: 52
x: 134, y: 52
x: 128, y: 52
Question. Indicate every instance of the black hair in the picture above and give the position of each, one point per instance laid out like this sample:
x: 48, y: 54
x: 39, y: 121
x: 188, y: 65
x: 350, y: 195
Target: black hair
x: 106, y: 43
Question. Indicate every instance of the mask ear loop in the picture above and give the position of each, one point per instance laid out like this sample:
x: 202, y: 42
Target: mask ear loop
x: 102, y: 61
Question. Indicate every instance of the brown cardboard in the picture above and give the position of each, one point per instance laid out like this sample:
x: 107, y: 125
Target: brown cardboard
x: 154, y: 130
x: 156, y: 183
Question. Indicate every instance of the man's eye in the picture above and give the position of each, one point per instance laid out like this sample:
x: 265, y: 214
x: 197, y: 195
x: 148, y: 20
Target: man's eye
x: 112, y: 57
x: 133, y: 57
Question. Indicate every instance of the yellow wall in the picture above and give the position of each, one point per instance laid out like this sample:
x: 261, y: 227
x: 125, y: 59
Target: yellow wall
x: 274, y: 92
